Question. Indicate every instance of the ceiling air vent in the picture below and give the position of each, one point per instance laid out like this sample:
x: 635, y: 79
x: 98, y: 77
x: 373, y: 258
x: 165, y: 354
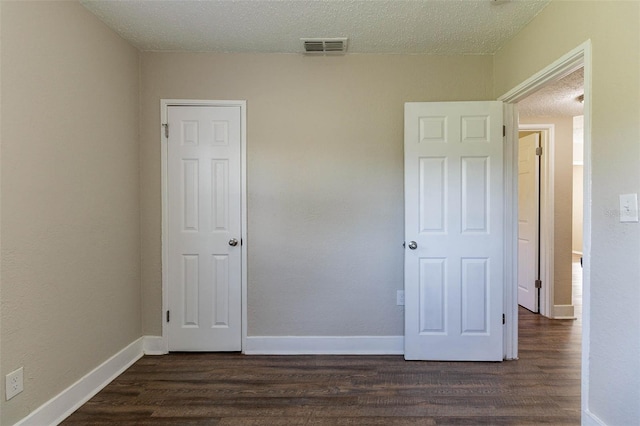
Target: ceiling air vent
x: 325, y: 46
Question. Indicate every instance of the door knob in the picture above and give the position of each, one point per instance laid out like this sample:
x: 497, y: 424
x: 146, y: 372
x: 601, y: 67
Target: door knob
x: 233, y: 242
x: 413, y: 245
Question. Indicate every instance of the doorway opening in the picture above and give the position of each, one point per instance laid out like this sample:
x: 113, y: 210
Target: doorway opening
x: 555, y: 113
x: 580, y: 57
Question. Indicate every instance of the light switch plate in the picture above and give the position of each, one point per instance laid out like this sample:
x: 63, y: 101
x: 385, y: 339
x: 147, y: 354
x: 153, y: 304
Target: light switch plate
x: 628, y: 207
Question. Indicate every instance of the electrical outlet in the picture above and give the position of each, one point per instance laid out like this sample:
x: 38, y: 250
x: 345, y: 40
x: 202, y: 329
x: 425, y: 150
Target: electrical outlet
x: 400, y: 298
x: 14, y: 383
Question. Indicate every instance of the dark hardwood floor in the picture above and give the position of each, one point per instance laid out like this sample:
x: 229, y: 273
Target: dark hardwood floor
x: 542, y: 387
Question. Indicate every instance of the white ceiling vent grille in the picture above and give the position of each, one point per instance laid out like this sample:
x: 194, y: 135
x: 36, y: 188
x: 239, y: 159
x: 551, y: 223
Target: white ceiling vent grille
x: 325, y: 46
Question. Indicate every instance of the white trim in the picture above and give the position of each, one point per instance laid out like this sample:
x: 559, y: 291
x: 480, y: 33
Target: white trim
x: 563, y: 312
x: 586, y: 233
x: 576, y: 58
x: 153, y: 345
x: 61, y: 406
x: 510, y: 339
x: 243, y: 223
x: 557, y: 70
x: 590, y: 419
x: 547, y: 218
x: 165, y: 222
x: 324, y: 345
x: 579, y: 253
x: 164, y: 104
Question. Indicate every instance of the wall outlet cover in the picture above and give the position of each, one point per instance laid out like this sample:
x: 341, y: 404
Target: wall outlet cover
x: 14, y: 383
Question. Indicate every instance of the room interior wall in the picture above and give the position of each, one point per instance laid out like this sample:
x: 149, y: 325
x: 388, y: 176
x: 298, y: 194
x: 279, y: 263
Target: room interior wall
x: 578, y: 183
x: 325, y: 178
x: 578, y: 216
x: 613, y: 28
x: 562, y: 215
x: 70, y: 197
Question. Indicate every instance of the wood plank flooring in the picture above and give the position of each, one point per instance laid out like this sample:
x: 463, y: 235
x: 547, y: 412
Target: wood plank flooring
x: 542, y: 387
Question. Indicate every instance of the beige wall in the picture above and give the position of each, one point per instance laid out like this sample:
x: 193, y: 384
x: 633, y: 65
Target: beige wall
x: 70, y: 198
x: 562, y: 215
x: 577, y: 222
x: 613, y: 375
x: 325, y: 178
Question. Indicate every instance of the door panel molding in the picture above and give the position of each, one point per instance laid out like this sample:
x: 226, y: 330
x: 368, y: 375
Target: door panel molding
x: 163, y: 346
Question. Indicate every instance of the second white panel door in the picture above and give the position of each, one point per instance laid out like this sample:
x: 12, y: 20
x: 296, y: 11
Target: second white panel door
x: 454, y: 231
x: 204, y: 228
x: 528, y: 220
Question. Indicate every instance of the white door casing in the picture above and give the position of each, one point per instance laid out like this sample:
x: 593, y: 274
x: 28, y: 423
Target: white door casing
x: 528, y: 220
x: 204, y: 221
x: 454, y: 214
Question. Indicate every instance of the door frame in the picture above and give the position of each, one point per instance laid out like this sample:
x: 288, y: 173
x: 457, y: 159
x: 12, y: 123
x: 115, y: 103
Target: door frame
x: 164, y: 106
x: 579, y: 57
x: 546, y: 224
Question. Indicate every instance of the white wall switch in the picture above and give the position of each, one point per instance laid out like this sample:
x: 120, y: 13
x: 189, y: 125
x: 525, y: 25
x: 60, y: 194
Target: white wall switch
x: 400, y: 298
x: 628, y: 207
x: 14, y: 383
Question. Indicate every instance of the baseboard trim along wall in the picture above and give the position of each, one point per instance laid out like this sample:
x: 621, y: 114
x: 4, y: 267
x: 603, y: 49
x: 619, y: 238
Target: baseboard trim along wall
x: 324, y: 345
x: 590, y: 419
x: 58, y: 408
x: 154, y: 345
x: 66, y: 402
x: 563, y: 312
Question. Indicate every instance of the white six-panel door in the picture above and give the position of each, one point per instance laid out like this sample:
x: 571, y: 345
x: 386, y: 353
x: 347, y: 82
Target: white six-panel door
x: 528, y: 213
x: 454, y: 231
x: 204, y: 228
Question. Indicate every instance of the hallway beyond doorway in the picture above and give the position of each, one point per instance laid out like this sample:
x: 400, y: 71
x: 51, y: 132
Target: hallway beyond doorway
x: 576, y: 286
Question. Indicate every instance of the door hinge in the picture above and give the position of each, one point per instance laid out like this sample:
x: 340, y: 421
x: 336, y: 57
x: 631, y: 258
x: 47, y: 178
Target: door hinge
x: 538, y: 284
x: 538, y: 151
x: 168, y: 316
x: 504, y: 319
x: 504, y: 131
x: 166, y: 130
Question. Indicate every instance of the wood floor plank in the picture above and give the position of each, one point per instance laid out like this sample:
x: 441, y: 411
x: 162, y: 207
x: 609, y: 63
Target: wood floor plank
x: 542, y: 387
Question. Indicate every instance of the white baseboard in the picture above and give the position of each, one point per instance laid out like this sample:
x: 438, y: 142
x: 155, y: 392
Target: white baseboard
x: 563, y: 312
x: 324, y: 345
x: 154, y: 345
x: 590, y: 419
x: 69, y: 400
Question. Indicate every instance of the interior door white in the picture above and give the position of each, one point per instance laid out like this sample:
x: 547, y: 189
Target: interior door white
x: 528, y: 222
x: 454, y: 231
x: 204, y: 228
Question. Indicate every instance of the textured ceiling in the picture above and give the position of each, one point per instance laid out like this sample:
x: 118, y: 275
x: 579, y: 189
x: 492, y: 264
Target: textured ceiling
x: 556, y: 99
x: 372, y: 26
